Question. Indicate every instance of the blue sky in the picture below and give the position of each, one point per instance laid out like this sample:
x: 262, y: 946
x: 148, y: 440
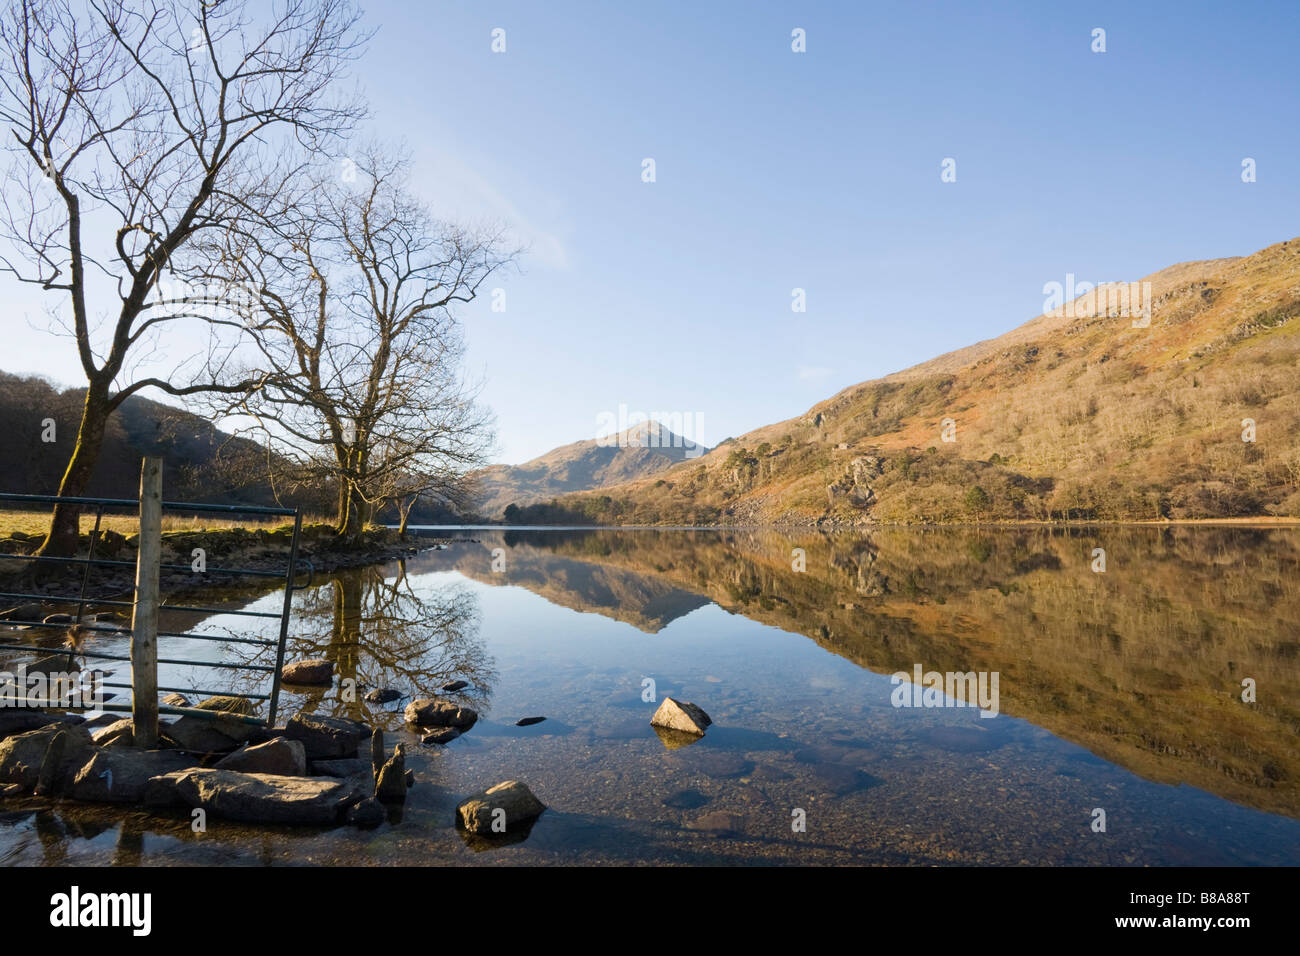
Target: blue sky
x: 821, y: 170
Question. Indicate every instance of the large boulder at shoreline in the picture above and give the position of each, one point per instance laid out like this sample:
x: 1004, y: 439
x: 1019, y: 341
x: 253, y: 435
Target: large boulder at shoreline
x: 205, y: 735
x: 516, y: 803
x: 120, y: 775
x: 680, y: 716
x: 282, y: 756
x: 254, y: 797
x: 22, y: 755
x: 315, y: 671
x: 324, y: 738
x: 428, y: 712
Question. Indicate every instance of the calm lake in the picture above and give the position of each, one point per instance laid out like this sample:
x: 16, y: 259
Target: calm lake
x: 1118, y: 691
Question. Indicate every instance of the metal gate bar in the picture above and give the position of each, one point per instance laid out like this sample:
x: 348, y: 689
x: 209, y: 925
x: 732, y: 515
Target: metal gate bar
x: 81, y: 600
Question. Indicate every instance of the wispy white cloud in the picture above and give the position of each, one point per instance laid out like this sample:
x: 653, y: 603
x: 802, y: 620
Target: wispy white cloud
x: 459, y: 190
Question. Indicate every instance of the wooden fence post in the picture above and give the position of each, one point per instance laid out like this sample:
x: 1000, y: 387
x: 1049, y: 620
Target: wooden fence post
x: 144, y: 617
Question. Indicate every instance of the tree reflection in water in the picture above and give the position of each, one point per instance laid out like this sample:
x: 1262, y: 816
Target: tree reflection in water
x: 381, y: 631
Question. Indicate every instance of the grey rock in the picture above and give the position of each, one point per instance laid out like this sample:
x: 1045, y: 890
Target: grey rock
x: 47, y: 780
x: 119, y: 732
x: 315, y: 671
x: 683, y: 717
x: 22, y: 755
x: 477, y: 813
x: 20, y: 720
x: 427, y: 712
x: 325, y: 738
x: 121, y: 776
x: 377, y: 752
x: 391, y: 783
x: 347, y: 767
x: 528, y: 721
x: 282, y: 756
x: 384, y: 695
x: 208, y: 735
x: 454, y: 685
x: 257, y: 798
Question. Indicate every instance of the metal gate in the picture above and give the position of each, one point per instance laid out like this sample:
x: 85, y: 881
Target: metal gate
x: 81, y: 600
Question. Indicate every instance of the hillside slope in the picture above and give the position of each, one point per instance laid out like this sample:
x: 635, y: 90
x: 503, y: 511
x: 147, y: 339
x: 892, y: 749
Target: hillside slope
x: 1076, y: 414
x: 638, y: 452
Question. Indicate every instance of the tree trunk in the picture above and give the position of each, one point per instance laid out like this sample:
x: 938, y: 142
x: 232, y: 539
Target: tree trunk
x: 61, y: 541
x: 355, y: 516
x: 344, y: 506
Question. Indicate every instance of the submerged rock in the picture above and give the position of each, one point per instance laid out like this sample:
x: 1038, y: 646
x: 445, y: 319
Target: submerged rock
x: 427, y: 712
x: 718, y: 822
x: 443, y: 735
x: 282, y: 756
x: 685, y: 800
x: 680, y: 716
x: 367, y: 814
x: 509, y: 804
x: 383, y: 695
x: 314, y: 671
x: 454, y: 685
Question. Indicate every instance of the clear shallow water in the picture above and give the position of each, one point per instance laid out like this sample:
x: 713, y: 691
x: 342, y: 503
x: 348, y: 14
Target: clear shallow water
x: 1118, y: 690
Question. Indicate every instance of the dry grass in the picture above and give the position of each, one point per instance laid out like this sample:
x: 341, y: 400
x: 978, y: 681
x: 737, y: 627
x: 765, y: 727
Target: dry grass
x: 37, y: 522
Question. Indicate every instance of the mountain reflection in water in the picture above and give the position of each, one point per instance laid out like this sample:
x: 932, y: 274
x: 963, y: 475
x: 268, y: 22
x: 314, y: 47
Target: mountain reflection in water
x: 1119, y: 690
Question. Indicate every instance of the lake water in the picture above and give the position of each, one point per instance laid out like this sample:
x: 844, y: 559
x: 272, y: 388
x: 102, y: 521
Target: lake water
x: 1118, y: 691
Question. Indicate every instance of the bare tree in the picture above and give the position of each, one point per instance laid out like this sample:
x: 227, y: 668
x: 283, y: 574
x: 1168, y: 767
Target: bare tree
x: 361, y: 348
x: 135, y: 129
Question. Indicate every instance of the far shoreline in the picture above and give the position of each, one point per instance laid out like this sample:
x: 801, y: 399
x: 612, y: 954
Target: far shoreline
x: 1263, y: 521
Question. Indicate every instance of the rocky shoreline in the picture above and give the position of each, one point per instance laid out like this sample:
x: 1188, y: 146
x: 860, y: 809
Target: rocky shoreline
x: 261, y: 550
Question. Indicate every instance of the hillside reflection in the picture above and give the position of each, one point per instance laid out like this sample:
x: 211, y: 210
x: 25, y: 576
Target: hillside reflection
x: 1143, y: 664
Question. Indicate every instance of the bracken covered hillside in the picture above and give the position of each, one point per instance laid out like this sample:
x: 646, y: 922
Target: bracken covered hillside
x: 1073, y: 415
